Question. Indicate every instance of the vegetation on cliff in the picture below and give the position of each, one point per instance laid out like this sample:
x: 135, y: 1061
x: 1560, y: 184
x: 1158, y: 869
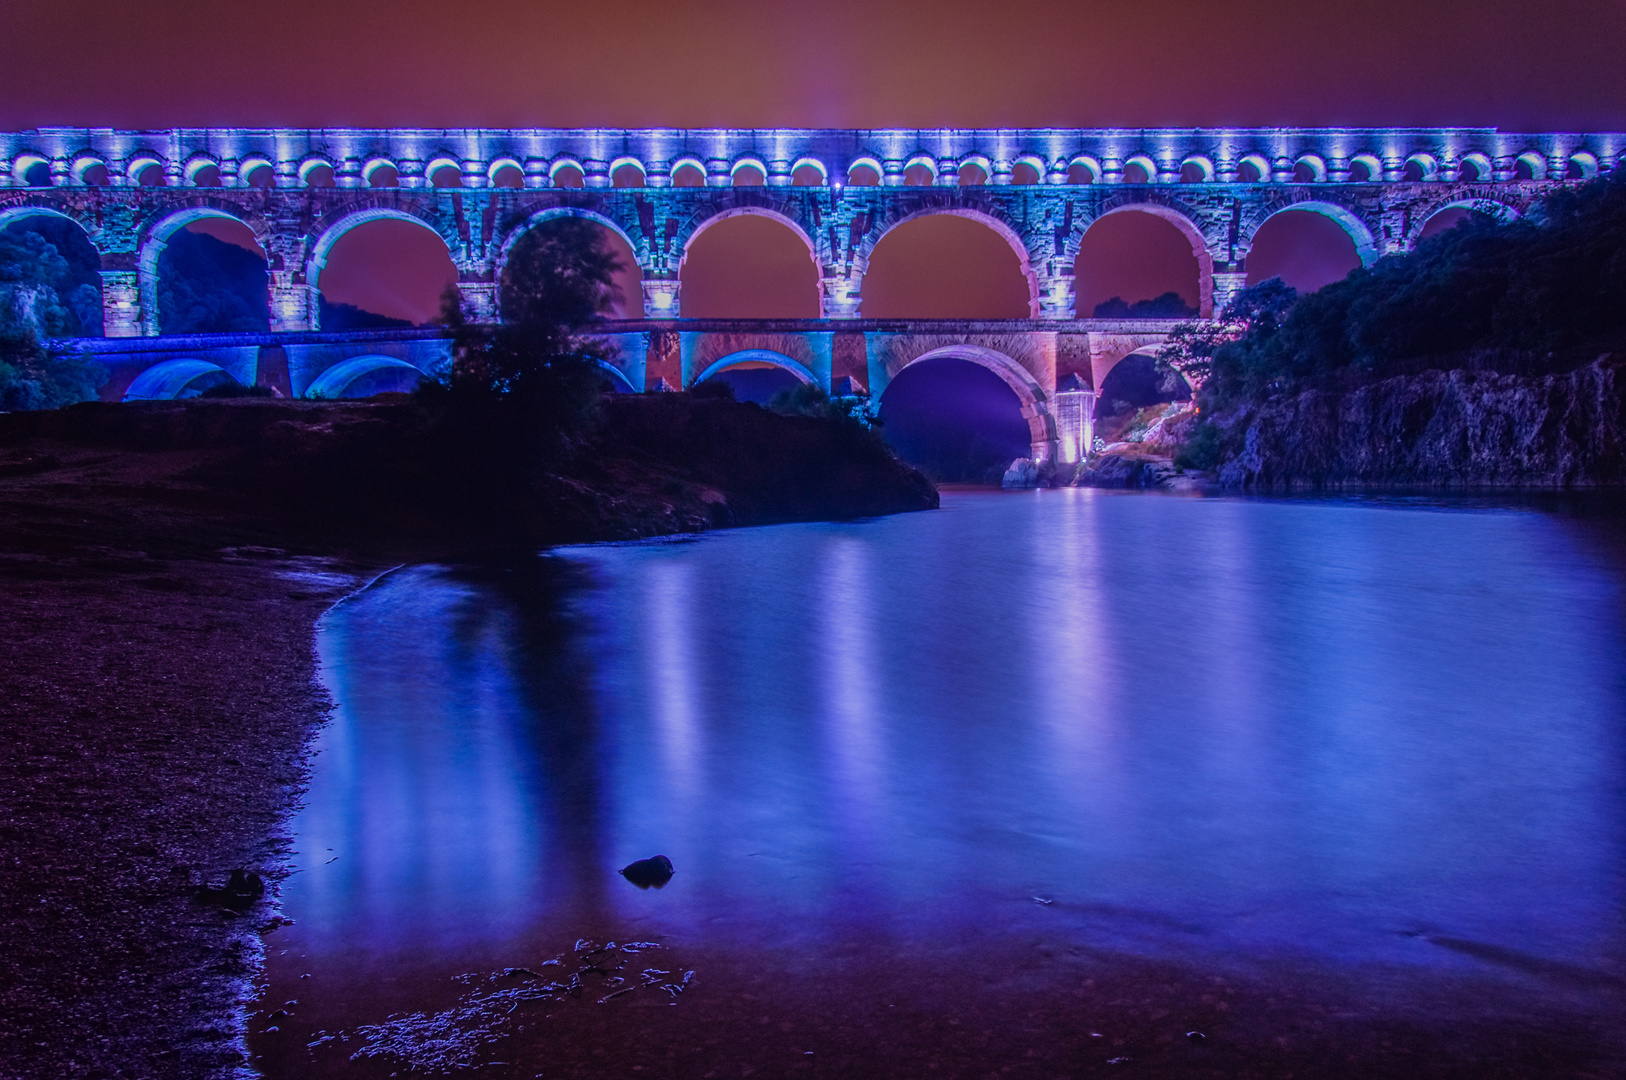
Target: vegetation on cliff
x: 1535, y: 300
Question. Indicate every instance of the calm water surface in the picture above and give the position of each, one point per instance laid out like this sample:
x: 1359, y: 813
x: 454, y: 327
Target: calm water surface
x: 1379, y: 740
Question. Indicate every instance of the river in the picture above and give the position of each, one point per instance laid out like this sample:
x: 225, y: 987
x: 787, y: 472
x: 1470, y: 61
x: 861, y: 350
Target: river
x: 1039, y: 781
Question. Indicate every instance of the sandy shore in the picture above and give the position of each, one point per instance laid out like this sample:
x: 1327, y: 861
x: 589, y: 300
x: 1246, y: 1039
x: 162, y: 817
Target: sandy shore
x: 156, y: 697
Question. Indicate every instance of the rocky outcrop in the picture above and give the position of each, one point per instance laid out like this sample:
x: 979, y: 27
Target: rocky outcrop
x: 1437, y: 429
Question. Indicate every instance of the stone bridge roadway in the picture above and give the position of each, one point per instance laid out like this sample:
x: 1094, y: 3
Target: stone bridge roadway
x: 1035, y: 358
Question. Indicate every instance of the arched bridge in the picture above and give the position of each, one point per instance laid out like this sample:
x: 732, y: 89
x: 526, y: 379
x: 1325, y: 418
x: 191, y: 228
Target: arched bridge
x: 839, y: 191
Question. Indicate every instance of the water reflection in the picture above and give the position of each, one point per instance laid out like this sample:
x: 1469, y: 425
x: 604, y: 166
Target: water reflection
x: 1214, y: 727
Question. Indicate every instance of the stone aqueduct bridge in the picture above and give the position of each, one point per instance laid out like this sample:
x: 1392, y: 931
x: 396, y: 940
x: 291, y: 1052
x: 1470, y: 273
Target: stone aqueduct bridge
x: 840, y: 191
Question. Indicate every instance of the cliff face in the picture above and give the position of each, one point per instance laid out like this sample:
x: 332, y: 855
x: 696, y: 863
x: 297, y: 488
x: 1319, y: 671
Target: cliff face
x: 1438, y: 429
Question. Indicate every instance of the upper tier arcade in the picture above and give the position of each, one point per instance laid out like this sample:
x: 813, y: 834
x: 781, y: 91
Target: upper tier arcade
x: 841, y: 191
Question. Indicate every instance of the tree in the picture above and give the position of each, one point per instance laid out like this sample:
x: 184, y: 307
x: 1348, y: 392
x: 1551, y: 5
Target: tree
x: 525, y: 388
x: 44, y: 296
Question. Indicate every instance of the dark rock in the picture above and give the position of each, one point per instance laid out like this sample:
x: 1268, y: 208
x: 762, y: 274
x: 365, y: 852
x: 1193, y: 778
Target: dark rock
x: 242, y: 891
x: 646, y: 873
x: 1437, y: 429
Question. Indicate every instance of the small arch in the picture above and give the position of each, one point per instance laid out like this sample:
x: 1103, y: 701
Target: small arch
x: 27, y: 169
x: 627, y: 172
x: 688, y: 172
x: 146, y: 171
x: 1474, y: 167
x: 197, y: 166
x: 256, y: 171
x: 380, y: 172
x: 1583, y: 165
x: 316, y: 171
x: 920, y: 171
x: 1421, y: 167
x: 864, y: 172
x: 1530, y: 166
x: 1252, y: 168
x: 444, y: 172
x: 567, y: 172
x: 1309, y: 169
x: 1027, y: 170
x: 89, y: 169
x: 180, y: 378
x: 758, y: 356
x: 364, y: 376
x: 509, y: 175
x: 1365, y: 168
x: 1083, y: 169
x: 974, y: 171
x: 498, y: 164
x: 748, y: 172
x: 809, y: 172
x: 1196, y: 169
x: 1146, y: 166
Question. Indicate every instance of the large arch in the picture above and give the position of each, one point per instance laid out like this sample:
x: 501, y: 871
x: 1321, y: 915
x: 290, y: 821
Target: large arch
x: 156, y: 236
x: 364, y: 372
x: 1303, y: 248
x: 952, y: 258
x: 87, y: 311
x: 1183, y: 222
x: 1498, y: 209
x: 982, y: 216
x: 1041, y: 424
x: 409, y: 293
x: 171, y: 378
x: 331, y: 233
x: 759, y: 356
x: 628, y: 280
x: 788, y: 266
x: 1363, y: 232
x: 514, y: 235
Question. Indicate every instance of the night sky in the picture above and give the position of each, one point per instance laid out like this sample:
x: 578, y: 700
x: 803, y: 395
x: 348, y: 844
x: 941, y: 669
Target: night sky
x: 835, y: 63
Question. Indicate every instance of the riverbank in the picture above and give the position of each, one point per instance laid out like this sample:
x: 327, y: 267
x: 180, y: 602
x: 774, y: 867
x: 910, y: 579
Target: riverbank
x: 163, y: 566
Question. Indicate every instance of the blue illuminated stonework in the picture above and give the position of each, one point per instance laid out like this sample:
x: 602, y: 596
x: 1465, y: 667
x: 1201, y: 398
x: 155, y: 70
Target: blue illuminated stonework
x: 840, y: 191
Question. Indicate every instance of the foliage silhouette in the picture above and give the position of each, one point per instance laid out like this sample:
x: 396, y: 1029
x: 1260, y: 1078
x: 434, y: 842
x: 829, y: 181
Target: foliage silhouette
x: 208, y: 286
x: 49, y: 289
x: 1534, y: 296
